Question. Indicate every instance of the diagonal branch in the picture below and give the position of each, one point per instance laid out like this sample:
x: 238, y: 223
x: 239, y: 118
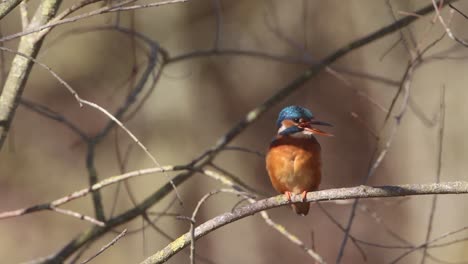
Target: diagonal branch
x: 292, y: 238
x: 8, y: 5
x: 21, y: 67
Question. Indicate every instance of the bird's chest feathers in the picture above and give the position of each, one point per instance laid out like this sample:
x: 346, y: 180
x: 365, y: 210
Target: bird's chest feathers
x: 294, y: 163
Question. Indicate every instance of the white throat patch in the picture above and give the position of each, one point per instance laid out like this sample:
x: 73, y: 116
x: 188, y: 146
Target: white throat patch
x: 302, y: 134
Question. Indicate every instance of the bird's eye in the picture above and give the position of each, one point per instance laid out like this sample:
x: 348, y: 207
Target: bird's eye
x: 296, y: 120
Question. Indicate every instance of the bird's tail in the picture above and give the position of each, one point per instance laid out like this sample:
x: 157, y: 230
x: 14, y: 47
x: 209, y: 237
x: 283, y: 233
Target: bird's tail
x: 301, y: 208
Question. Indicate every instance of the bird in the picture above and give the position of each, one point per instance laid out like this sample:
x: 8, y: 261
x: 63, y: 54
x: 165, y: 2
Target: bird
x: 293, y: 160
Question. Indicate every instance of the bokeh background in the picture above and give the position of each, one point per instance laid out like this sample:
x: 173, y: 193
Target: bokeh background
x: 197, y: 101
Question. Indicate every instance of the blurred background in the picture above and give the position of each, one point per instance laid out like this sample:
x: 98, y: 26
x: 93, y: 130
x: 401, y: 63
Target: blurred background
x: 196, y: 101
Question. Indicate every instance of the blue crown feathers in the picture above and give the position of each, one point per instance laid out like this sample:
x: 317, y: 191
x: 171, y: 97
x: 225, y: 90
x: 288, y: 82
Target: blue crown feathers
x: 293, y: 112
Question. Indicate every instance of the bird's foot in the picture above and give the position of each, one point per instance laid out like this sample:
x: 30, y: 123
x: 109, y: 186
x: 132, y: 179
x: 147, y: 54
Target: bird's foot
x: 288, y: 195
x: 304, y: 195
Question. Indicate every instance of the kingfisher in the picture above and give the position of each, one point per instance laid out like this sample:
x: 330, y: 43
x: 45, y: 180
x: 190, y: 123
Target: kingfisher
x: 294, y: 161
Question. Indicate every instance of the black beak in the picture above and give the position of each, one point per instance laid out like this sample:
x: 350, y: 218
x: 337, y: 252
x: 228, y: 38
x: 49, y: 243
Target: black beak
x: 307, y: 126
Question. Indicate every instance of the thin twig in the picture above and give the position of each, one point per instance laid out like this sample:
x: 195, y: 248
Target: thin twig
x: 458, y: 11
x: 51, y: 114
x: 47, y: 68
x: 247, y: 150
x: 219, y: 22
x: 283, y: 231
x: 402, y: 38
x: 439, y: 169
x: 229, y: 179
x: 297, y: 46
x: 446, y: 27
x: 132, y: 136
x: 353, y: 239
x: 192, y: 219
x: 77, y: 215
x: 122, y: 234
x: 428, y: 242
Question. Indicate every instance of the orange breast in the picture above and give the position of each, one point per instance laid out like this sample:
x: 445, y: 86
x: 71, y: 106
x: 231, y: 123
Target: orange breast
x: 294, y: 164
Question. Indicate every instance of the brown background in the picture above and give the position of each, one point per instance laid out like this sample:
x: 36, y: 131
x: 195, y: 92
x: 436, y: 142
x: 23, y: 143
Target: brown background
x: 197, y: 101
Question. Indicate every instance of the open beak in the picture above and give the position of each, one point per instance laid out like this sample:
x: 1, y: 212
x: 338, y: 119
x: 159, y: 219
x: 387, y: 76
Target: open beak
x: 307, y: 126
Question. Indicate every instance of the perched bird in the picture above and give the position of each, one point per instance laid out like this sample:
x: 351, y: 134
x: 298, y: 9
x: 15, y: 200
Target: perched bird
x: 293, y: 161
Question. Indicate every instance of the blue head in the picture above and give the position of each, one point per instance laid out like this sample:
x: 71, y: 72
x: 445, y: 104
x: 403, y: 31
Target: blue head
x: 293, y: 112
x: 296, y: 120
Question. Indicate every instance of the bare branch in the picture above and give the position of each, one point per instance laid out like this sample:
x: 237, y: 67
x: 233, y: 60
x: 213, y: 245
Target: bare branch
x: 429, y: 242
x: 77, y: 215
x: 334, y: 221
x: 47, y: 68
x: 439, y: 169
x: 8, y: 5
x: 24, y: 14
x: 446, y: 26
x: 113, y: 241
x: 132, y: 136
x: 325, y: 195
x: 51, y: 114
x: 60, y: 20
x: 93, y: 179
x: 194, y: 215
x: 290, y: 236
x: 86, y: 191
x: 458, y: 11
x: 21, y: 66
